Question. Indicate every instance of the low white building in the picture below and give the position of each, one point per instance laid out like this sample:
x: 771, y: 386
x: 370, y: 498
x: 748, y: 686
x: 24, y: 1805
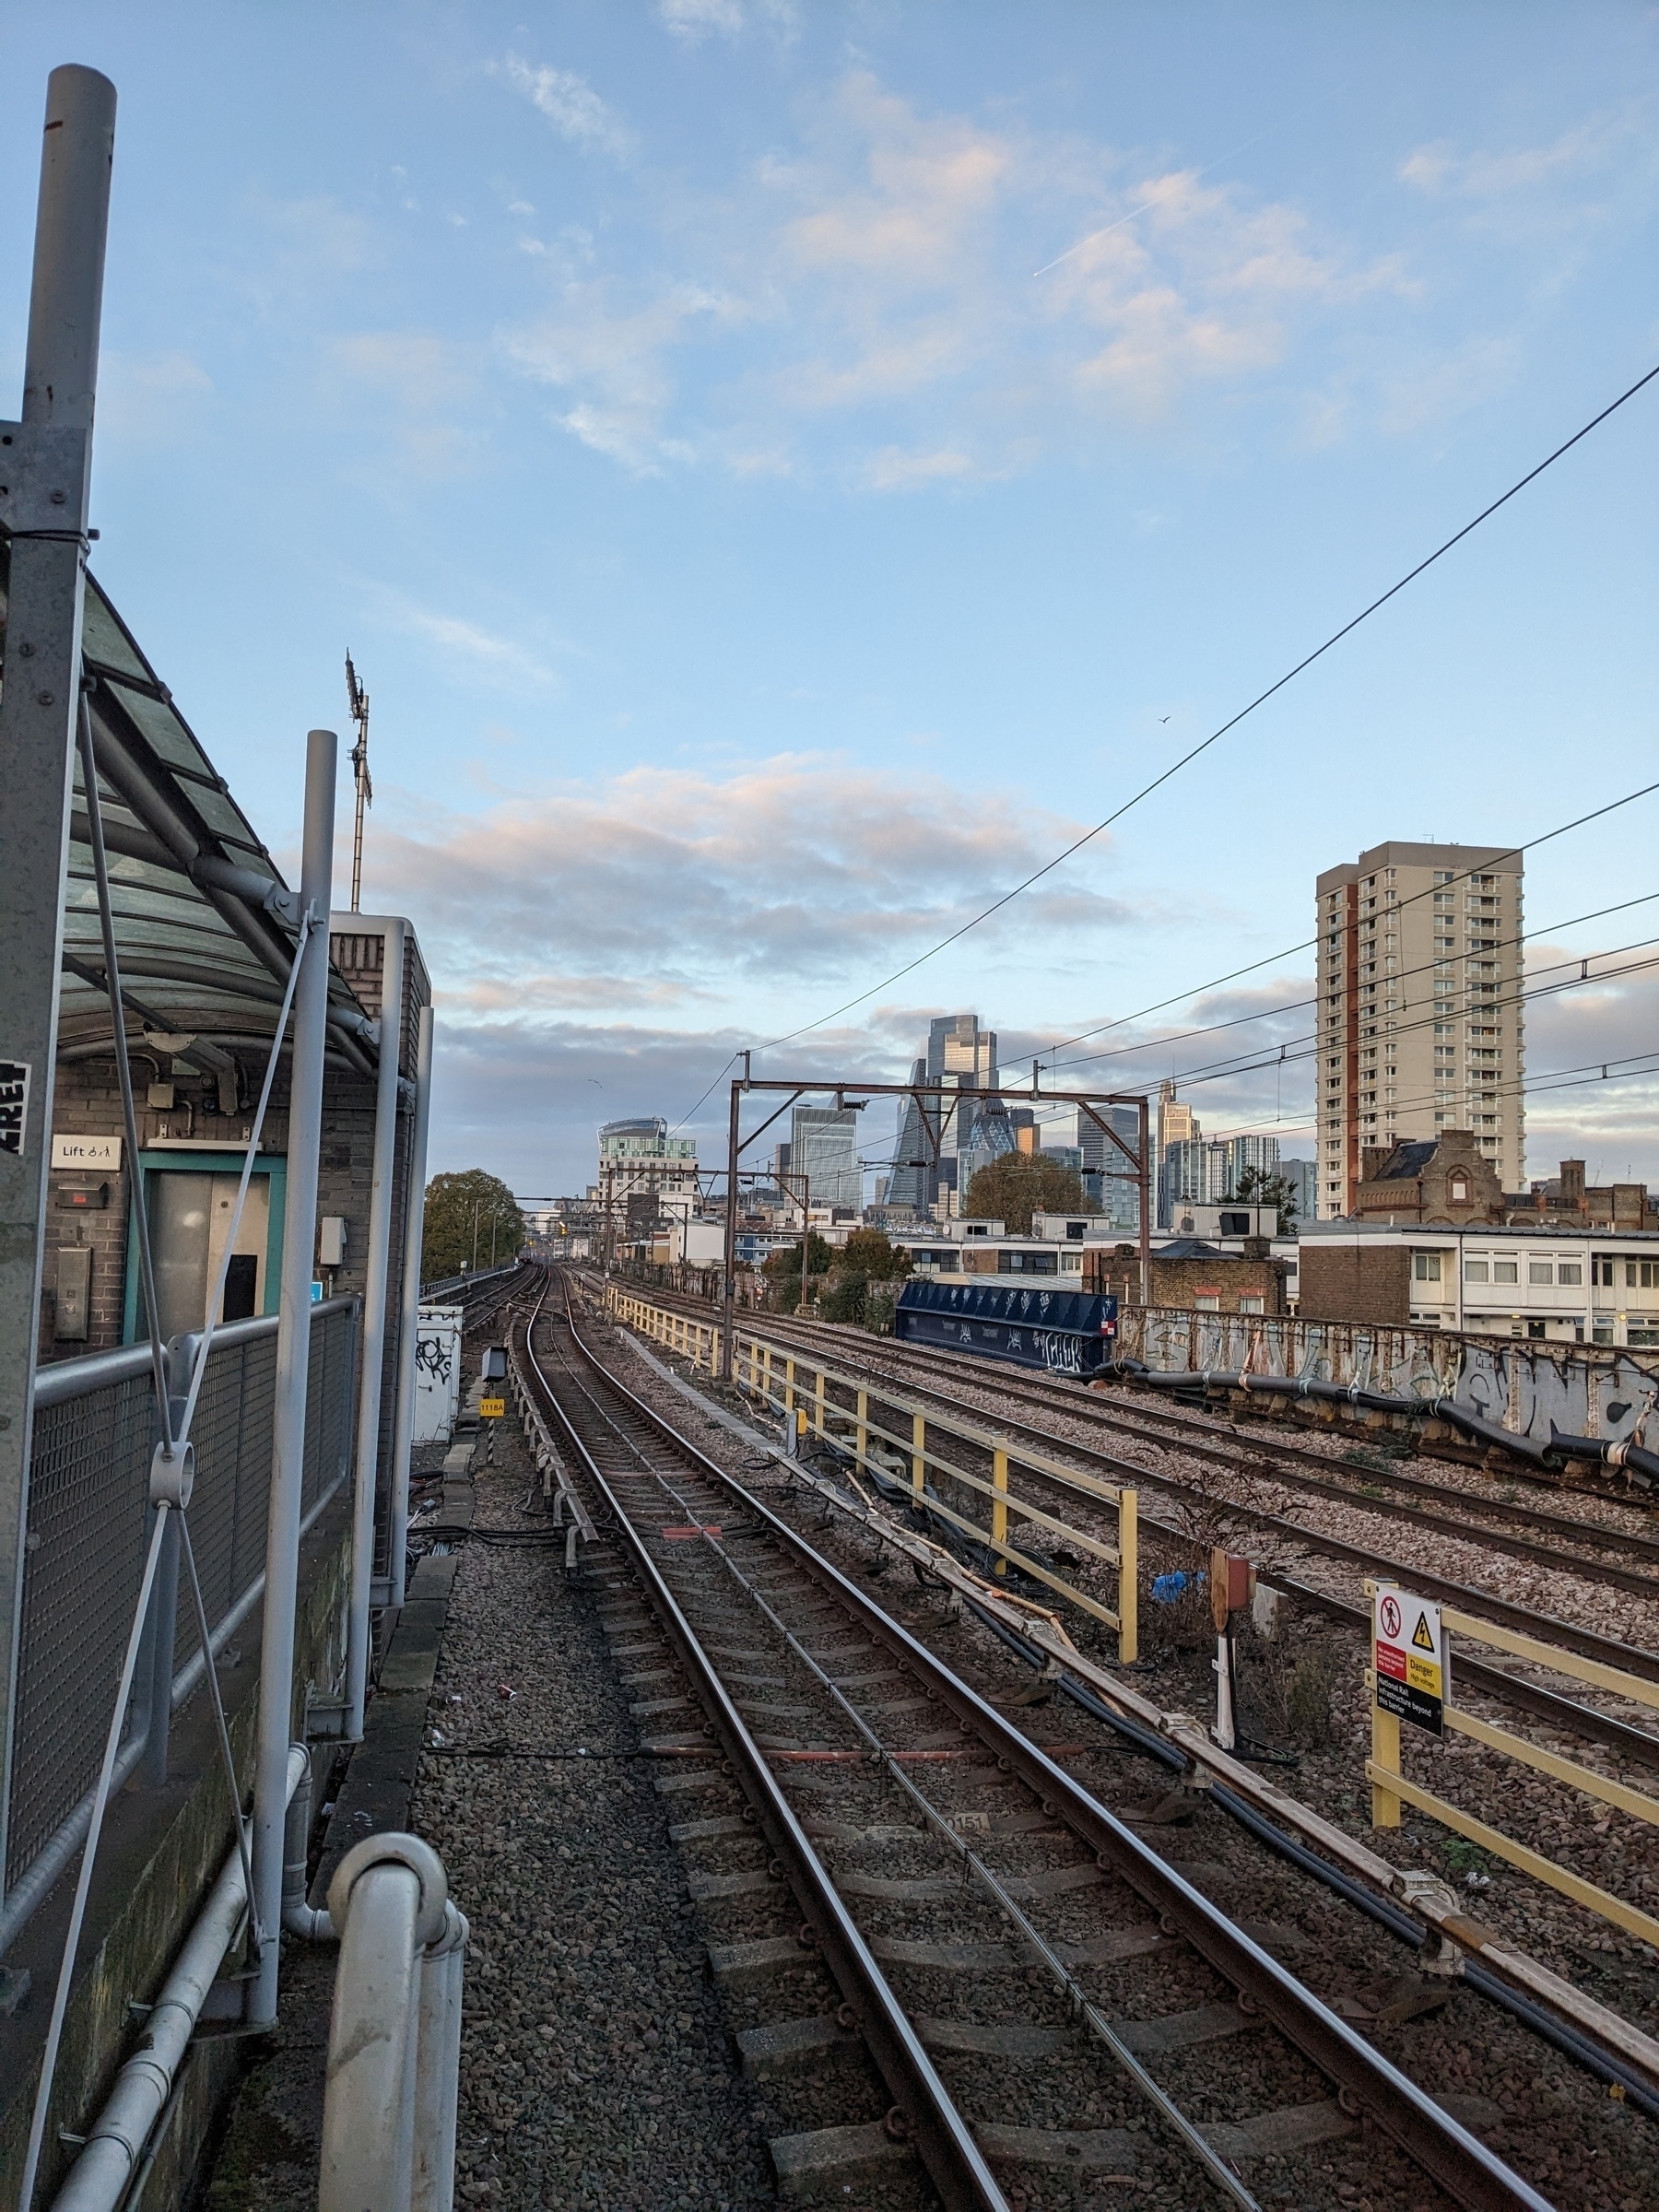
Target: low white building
x: 1570, y: 1285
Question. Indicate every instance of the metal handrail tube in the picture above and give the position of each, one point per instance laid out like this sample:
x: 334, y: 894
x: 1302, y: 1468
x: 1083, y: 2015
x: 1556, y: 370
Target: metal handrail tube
x: 408, y: 1324
x: 98, y: 2180
x: 429, y: 1291
x: 438, y: 2066
x: 293, y: 1337
x: 67, y: 1379
x: 395, y: 2033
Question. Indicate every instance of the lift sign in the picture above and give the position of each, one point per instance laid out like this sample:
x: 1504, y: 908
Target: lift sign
x: 1408, y: 1653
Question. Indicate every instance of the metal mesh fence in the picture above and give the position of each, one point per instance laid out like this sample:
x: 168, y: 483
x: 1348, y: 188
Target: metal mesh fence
x: 88, y: 1525
x: 88, y: 1487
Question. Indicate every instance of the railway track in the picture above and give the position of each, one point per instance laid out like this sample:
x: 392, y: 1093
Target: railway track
x: 1295, y: 1466
x: 923, y: 1377
x: 948, y: 1950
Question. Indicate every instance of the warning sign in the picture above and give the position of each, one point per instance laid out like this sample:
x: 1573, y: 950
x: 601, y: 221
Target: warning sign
x: 491, y: 1409
x: 1408, y: 1654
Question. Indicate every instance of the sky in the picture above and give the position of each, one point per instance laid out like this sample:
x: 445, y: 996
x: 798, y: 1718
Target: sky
x: 785, y: 471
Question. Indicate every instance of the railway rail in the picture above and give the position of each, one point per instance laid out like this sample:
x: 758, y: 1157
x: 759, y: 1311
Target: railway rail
x: 919, y: 1377
x: 1296, y: 1467
x: 803, y: 1724
x: 923, y: 1377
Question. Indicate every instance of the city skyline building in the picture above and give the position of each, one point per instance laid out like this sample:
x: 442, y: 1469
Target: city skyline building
x: 934, y: 1135
x: 1419, y: 1026
x: 644, y: 1173
x: 823, y: 1145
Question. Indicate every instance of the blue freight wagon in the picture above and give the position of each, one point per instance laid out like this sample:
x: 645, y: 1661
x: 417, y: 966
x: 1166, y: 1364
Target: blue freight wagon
x: 1067, y: 1332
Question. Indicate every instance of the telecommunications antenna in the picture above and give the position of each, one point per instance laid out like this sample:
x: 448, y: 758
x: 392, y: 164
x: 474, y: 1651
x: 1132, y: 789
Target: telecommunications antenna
x: 359, y: 699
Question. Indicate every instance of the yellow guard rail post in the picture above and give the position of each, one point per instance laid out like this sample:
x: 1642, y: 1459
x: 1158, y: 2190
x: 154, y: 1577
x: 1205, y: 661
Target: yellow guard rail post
x: 1421, y: 1694
x: 863, y: 1435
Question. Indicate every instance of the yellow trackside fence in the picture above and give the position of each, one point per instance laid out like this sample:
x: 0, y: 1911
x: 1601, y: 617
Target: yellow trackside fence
x: 1421, y: 1694
x: 881, y: 1430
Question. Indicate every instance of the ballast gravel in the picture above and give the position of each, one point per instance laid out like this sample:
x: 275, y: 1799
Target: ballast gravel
x: 1553, y: 2120
x: 595, y: 2065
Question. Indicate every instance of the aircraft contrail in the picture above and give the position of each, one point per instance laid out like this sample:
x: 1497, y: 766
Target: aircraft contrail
x: 1106, y: 228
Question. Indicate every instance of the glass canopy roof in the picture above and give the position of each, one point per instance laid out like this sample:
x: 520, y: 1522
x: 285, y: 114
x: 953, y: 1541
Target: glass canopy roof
x: 204, y: 958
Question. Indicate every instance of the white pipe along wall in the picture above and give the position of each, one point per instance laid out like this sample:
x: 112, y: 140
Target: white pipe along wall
x: 98, y: 2180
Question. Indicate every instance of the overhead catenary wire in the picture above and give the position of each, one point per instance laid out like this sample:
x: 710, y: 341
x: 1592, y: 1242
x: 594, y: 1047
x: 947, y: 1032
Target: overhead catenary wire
x: 1294, y: 1006
x: 1308, y: 943
x: 1581, y: 1076
x: 1279, y: 1052
x: 1232, y: 723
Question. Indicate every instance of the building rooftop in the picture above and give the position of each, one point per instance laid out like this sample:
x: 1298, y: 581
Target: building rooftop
x: 1408, y: 1160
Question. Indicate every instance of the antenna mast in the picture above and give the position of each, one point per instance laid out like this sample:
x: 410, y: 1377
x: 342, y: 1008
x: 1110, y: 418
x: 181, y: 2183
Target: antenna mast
x: 359, y: 699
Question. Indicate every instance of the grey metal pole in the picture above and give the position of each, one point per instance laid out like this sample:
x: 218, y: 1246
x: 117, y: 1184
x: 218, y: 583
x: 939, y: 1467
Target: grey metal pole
x: 409, y: 1328
x: 1143, y: 1136
x: 48, y: 459
x: 293, y: 1359
x: 376, y: 1293
x: 730, y: 1330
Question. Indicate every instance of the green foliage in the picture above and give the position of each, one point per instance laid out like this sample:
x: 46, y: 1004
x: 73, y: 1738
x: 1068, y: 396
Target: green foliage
x: 787, y: 1259
x: 868, y: 1252
x: 1258, y: 1188
x: 463, y: 1213
x: 845, y: 1299
x: 1019, y: 1184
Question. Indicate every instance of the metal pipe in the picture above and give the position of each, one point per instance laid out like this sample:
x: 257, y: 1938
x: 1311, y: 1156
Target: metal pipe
x: 45, y: 510
x: 730, y: 1240
x: 409, y: 1320
x: 310, y: 1923
x: 438, y: 2066
x: 72, y: 220
x: 98, y: 2180
x: 293, y: 1347
x: 376, y: 1292
x: 389, y: 1899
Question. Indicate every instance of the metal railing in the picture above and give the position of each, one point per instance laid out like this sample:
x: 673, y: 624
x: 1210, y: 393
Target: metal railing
x: 1437, y: 1716
x: 89, y: 1524
x: 394, y: 2036
x: 878, y: 1427
x: 434, y: 1293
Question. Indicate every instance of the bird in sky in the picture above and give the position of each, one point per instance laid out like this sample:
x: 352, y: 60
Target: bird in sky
x: 1163, y: 718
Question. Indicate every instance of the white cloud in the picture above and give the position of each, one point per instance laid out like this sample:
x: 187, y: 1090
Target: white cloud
x: 694, y: 20
x: 881, y: 270
x: 674, y: 881
x: 1442, y: 171
x: 571, y: 106
x: 611, y: 354
x: 893, y: 469
x: 504, y: 660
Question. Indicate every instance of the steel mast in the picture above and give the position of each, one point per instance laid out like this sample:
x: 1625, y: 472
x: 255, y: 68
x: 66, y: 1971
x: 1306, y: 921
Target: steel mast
x: 359, y: 699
